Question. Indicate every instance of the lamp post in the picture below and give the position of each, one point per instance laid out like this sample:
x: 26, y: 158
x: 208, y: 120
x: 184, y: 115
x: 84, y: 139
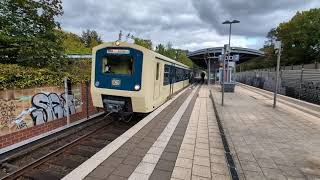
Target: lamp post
x: 230, y: 23
x: 277, y: 47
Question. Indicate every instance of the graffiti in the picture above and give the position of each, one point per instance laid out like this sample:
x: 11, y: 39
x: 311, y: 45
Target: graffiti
x: 51, y: 106
x: 20, y: 119
x: 21, y: 109
x: 7, y: 110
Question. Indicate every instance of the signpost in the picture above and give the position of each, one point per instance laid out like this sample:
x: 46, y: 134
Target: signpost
x: 277, y: 46
x: 66, y: 93
x: 227, y: 79
x: 225, y: 51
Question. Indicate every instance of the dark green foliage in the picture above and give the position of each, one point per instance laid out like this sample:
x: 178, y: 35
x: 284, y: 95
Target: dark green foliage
x: 176, y: 54
x: 300, y: 42
x: 90, y: 38
x: 27, y: 33
x: 301, y: 37
x: 147, y: 43
x: 168, y: 51
x: 15, y: 76
x: 72, y: 44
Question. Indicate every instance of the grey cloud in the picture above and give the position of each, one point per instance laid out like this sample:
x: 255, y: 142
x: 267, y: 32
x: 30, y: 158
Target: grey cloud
x: 256, y: 16
x: 186, y: 23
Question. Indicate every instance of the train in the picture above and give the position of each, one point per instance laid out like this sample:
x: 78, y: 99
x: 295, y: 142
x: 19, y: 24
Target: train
x: 128, y: 78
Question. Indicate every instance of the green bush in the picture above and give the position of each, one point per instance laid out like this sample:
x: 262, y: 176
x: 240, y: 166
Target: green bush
x: 15, y: 76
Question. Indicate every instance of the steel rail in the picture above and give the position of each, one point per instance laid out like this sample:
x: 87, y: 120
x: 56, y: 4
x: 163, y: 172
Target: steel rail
x: 48, y: 156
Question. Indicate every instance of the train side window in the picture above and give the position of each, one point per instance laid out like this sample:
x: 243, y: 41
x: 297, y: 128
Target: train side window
x: 157, y: 75
x: 166, y: 79
x: 186, y: 74
x: 179, y: 74
x: 173, y: 74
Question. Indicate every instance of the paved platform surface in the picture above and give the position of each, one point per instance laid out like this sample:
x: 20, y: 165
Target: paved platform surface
x: 267, y: 143
x: 183, y: 141
x: 176, y: 144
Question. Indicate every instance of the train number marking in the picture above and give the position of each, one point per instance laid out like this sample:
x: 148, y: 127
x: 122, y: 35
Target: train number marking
x: 116, y: 82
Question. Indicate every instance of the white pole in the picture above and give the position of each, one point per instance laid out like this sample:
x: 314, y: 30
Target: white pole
x: 277, y: 46
x: 66, y: 98
x: 223, y: 74
x: 209, y: 73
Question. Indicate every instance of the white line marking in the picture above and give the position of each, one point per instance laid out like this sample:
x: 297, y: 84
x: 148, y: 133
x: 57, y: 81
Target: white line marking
x: 89, y: 165
x: 149, y: 161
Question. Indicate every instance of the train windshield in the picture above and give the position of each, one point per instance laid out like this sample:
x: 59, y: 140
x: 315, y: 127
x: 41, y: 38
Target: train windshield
x: 114, y: 64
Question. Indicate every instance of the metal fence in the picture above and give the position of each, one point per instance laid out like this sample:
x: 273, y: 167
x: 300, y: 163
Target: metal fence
x: 302, y: 84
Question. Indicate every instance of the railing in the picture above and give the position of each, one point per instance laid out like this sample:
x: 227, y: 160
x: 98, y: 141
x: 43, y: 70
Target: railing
x: 302, y: 84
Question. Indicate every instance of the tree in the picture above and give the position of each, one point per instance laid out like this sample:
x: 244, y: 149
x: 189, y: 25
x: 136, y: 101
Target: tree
x: 147, y: 43
x: 300, y: 41
x: 301, y: 37
x: 170, y: 52
x: 72, y: 44
x: 90, y: 38
x: 271, y: 37
x: 27, y: 32
x: 161, y: 49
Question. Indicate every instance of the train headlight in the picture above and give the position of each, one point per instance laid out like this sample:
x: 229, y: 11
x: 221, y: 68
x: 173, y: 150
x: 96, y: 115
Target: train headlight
x: 97, y: 83
x: 117, y: 43
x: 137, y: 87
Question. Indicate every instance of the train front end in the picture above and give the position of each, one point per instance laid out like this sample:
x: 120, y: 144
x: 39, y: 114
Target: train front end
x: 116, y: 80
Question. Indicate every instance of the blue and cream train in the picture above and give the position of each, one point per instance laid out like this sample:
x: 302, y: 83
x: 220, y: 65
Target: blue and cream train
x: 130, y: 78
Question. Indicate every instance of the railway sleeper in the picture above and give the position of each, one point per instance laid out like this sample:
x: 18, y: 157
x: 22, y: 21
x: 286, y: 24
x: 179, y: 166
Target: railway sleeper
x: 40, y: 154
x: 55, y: 146
x: 67, y: 162
x: 7, y: 167
x: 49, y: 174
x: 107, y: 136
x: 96, y: 144
x: 83, y: 153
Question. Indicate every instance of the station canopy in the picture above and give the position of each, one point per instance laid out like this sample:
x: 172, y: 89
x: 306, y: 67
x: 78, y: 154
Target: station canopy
x: 199, y: 57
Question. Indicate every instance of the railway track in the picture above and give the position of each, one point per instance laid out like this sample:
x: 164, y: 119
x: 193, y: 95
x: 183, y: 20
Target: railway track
x: 58, y: 156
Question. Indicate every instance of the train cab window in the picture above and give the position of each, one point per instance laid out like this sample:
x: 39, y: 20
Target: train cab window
x: 117, y: 65
x: 157, y: 72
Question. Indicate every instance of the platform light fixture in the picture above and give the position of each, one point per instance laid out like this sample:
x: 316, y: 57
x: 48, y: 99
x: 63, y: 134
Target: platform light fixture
x: 230, y: 23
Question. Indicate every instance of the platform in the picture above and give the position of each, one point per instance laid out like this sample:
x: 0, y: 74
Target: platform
x: 182, y: 140
x: 267, y: 143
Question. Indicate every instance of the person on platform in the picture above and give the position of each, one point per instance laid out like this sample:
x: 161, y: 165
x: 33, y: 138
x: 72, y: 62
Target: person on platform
x: 202, y: 77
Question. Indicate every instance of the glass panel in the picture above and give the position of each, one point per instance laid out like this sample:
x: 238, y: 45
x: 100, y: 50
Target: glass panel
x: 117, y: 65
x: 166, y: 79
x: 157, y: 75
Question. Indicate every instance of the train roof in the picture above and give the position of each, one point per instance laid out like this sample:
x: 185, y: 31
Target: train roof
x: 135, y: 46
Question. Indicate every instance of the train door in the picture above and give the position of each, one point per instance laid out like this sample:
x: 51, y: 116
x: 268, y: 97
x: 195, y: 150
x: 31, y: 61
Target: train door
x: 157, y: 81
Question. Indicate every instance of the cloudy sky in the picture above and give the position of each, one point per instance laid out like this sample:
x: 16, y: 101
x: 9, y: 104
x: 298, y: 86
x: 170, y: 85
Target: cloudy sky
x: 188, y: 24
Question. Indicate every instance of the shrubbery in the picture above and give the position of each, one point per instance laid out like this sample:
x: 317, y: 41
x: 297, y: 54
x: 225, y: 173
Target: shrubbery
x: 15, y: 76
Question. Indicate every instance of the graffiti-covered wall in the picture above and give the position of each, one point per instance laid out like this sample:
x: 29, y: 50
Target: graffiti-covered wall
x: 31, y: 112
x: 301, y: 84
x: 20, y: 109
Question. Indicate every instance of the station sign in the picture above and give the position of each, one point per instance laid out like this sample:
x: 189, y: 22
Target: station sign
x: 230, y: 58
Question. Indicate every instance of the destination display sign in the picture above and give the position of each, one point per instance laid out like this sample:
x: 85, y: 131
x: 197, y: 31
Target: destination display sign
x: 118, y: 51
